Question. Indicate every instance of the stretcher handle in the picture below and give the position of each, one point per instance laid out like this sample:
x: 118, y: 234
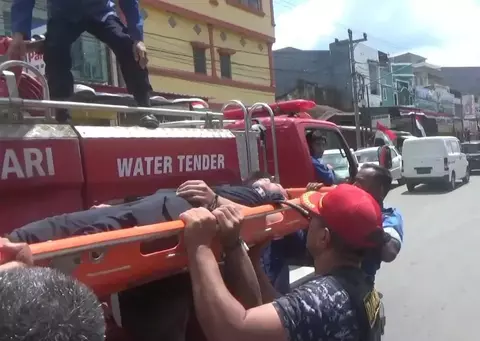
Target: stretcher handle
x: 74, y: 245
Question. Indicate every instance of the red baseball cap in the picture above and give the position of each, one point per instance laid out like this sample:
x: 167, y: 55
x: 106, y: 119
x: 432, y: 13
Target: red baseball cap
x: 350, y: 212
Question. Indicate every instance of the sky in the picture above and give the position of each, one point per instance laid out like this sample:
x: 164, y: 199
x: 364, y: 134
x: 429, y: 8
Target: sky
x: 444, y: 32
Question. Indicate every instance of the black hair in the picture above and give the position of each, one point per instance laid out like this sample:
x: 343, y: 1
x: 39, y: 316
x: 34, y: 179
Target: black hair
x: 378, y: 142
x: 382, y: 175
x: 378, y: 240
x: 43, y: 304
x: 315, y: 135
x: 257, y: 175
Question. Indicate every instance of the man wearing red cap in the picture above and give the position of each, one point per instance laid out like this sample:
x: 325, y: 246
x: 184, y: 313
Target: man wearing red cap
x: 338, y: 304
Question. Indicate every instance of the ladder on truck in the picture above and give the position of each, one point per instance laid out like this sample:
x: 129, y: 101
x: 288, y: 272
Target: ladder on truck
x: 113, y: 261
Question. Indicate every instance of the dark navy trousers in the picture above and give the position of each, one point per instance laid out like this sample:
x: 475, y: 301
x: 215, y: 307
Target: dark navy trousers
x: 61, y: 33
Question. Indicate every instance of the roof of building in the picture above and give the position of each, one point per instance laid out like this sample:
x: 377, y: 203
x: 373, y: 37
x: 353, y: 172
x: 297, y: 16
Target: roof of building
x: 407, y: 58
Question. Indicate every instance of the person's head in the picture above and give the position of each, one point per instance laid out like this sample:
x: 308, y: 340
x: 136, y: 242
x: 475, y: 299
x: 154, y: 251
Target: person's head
x: 374, y: 179
x: 266, y: 182
x: 345, y: 225
x: 316, y: 143
x: 379, y: 142
x: 42, y: 304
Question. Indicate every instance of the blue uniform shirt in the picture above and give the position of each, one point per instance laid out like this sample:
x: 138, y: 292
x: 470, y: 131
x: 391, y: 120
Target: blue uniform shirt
x: 393, y: 225
x: 322, y: 172
x: 75, y: 11
x: 275, y: 256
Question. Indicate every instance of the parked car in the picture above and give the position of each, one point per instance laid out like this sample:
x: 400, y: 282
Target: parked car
x: 370, y: 155
x: 472, y: 151
x: 339, y: 163
x: 434, y: 159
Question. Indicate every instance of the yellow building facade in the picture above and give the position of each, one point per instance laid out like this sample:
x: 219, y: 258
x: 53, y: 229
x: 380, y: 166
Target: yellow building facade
x: 219, y: 49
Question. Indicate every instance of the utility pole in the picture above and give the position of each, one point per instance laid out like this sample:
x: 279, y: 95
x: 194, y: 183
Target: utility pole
x: 351, y: 46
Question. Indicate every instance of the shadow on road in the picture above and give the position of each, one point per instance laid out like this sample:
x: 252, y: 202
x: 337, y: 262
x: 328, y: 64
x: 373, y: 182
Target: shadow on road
x: 431, y: 190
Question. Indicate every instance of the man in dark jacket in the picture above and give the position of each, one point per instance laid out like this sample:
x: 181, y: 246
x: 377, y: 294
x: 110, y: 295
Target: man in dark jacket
x: 68, y: 19
x: 153, y: 209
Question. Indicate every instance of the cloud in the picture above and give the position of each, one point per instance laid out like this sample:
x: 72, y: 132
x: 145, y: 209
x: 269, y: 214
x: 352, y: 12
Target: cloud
x: 442, y: 31
x: 302, y: 26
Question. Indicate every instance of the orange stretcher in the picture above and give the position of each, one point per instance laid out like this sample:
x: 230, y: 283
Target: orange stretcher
x: 113, y: 261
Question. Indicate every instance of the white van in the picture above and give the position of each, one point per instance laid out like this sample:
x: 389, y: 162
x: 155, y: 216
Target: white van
x: 434, y: 159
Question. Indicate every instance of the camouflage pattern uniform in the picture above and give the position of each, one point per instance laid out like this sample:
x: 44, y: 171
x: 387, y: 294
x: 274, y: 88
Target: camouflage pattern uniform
x: 319, y: 310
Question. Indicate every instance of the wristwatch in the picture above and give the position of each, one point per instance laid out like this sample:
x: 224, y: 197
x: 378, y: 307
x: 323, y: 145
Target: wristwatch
x: 213, y: 205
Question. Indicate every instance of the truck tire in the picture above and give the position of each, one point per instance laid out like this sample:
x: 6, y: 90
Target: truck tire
x: 410, y: 186
x: 452, y: 183
x: 401, y: 181
x: 466, y: 179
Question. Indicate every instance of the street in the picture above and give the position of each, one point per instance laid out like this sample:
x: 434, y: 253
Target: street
x: 430, y: 291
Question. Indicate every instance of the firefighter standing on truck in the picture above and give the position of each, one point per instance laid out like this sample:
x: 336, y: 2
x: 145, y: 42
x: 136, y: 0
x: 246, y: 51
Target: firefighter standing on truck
x: 68, y: 19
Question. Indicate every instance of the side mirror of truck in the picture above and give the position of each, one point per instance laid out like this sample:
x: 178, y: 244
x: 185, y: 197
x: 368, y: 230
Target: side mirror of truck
x: 385, y: 157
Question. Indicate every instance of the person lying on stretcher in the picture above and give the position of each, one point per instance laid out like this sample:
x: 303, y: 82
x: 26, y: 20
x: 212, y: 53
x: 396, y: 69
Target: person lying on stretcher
x: 156, y: 208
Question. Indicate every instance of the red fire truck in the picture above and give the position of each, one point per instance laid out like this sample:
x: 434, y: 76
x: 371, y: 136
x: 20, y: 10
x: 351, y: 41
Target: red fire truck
x: 49, y: 169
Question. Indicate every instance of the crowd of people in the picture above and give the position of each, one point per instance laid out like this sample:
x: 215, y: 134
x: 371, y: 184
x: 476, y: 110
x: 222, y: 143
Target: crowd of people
x: 350, y: 233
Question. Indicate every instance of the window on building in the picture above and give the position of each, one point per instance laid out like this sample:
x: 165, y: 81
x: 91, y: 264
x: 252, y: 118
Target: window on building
x: 89, y: 56
x: 225, y: 66
x: 374, y: 78
x: 383, y: 74
x: 402, y: 85
x: 384, y: 94
x: 200, y: 60
x: 7, y: 24
x: 90, y: 60
x: 255, y: 4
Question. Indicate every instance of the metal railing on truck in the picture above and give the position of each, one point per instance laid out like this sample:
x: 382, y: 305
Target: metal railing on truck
x: 209, y: 118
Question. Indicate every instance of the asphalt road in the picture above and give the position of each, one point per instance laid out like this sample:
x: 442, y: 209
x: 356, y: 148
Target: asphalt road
x: 431, y: 291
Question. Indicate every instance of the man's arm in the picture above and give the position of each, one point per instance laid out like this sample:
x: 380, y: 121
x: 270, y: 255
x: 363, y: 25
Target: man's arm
x: 240, y: 277
x: 221, y: 316
x: 131, y: 11
x: 14, y: 255
x: 392, y: 225
x: 197, y: 191
x: 269, y: 219
x: 21, y: 17
x: 268, y: 292
x: 323, y: 173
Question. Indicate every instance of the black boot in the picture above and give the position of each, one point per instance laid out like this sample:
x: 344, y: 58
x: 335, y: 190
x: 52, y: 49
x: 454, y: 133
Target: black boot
x: 62, y: 116
x: 149, y: 121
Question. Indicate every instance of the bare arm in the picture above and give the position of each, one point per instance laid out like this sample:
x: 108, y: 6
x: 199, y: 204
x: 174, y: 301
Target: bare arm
x: 221, y: 316
x: 390, y: 250
x: 269, y: 294
x: 240, y: 277
x: 239, y: 273
x: 270, y: 219
x: 198, y: 191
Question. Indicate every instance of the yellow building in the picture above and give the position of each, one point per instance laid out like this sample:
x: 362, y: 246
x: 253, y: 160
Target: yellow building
x: 220, y: 49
